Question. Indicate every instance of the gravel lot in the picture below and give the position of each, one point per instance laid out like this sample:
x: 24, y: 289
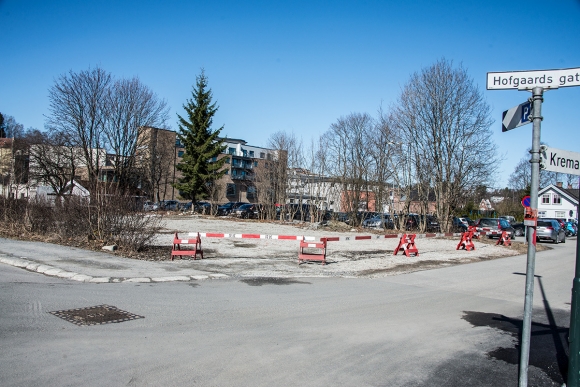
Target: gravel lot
x: 279, y: 258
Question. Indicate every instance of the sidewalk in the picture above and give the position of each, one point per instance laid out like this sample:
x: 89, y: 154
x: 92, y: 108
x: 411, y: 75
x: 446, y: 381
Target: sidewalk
x: 91, y: 266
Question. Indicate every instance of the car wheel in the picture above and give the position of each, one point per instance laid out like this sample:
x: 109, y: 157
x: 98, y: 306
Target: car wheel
x: 519, y: 232
x: 557, y: 240
x: 564, y: 239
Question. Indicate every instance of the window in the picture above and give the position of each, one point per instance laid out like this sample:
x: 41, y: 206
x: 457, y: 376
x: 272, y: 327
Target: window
x: 231, y: 190
x: 214, y: 159
x: 244, y: 153
x: 262, y: 155
x: 255, y: 163
x: 560, y: 214
x: 546, y: 199
x: 232, y: 151
x: 556, y: 199
x: 269, y: 156
x: 227, y: 160
x: 251, y: 153
x: 180, y: 153
x: 251, y: 192
x: 227, y: 172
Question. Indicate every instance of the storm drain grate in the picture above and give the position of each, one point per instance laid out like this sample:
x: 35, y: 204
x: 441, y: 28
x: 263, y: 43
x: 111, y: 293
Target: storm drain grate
x: 95, y: 315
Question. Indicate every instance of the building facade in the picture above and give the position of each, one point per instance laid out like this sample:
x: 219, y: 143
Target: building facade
x: 554, y: 201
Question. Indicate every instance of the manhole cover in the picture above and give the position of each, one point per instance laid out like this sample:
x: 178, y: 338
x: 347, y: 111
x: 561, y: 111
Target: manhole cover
x: 95, y: 315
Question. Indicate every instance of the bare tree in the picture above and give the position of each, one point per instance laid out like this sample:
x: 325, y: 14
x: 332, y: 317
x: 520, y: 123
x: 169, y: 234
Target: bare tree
x: 53, y: 161
x: 348, y: 142
x: 78, y: 109
x: 130, y: 107
x: 446, y: 121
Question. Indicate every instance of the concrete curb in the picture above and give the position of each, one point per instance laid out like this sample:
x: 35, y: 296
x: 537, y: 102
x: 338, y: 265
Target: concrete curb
x: 52, y: 271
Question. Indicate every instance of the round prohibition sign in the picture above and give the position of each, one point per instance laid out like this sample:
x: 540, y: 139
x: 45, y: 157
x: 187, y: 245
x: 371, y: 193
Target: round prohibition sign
x: 526, y: 201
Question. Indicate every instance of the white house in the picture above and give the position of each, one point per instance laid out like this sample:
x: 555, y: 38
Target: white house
x: 557, y: 202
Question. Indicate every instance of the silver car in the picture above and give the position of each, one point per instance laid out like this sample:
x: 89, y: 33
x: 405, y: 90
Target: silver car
x: 550, y: 230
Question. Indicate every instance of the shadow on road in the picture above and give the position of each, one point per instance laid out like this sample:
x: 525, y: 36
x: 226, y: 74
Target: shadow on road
x: 548, y: 344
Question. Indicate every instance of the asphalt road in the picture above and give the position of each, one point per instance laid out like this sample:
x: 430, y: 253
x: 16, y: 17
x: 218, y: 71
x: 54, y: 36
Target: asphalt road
x: 455, y: 326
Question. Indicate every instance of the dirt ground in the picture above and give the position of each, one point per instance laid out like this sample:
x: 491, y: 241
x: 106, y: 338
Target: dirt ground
x: 238, y: 257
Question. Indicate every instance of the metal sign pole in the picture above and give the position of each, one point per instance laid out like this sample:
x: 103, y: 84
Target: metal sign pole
x: 574, y: 333
x: 537, y: 99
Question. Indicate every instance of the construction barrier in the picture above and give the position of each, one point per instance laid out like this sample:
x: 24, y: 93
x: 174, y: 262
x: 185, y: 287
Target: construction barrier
x: 504, y: 239
x: 407, y: 244
x: 196, y: 243
x: 474, y: 232
x: 320, y: 255
x: 466, y: 242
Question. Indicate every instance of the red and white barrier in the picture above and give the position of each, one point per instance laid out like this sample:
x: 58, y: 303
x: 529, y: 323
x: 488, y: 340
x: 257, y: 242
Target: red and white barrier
x: 312, y: 238
x: 466, y: 242
x: 310, y: 255
x: 504, y: 239
x: 196, y: 243
x: 407, y: 245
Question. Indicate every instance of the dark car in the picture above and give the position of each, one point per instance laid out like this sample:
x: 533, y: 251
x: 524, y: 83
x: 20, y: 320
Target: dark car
x: 459, y: 225
x: 202, y: 208
x: 169, y: 205
x: 494, y: 226
x: 550, y: 229
x: 248, y: 211
x: 519, y: 229
x: 228, y: 208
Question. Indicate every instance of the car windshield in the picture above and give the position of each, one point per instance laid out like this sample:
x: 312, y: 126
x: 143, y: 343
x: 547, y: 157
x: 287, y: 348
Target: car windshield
x: 244, y: 206
x: 488, y: 222
x: 544, y: 223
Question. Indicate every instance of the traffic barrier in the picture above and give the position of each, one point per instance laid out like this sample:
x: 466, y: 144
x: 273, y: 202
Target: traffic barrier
x: 504, y: 239
x: 466, y: 242
x: 310, y: 255
x: 474, y: 232
x: 407, y: 244
x: 176, y: 250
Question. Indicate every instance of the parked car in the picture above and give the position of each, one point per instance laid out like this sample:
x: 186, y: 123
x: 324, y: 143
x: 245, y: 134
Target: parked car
x: 571, y: 228
x: 432, y: 224
x: 228, y: 208
x: 496, y: 225
x: 150, y: 206
x: 248, y: 211
x: 202, y: 208
x: 459, y: 224
x: 169, y: 205
x: 381, y: 221
x: 509, y: 218
x: 519, y: 229
x: 550, y: 229
x: 185, y: 206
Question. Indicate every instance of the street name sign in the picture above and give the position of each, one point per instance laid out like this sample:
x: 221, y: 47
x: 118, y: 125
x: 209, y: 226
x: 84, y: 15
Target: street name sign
x: 557, y: 160
x: 527, y: 80
x: 516, y: 116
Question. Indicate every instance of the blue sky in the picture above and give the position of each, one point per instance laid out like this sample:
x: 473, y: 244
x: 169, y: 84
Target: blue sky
x: 294, y: 66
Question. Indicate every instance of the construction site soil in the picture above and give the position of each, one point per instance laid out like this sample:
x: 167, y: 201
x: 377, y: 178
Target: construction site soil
x: 266, y: 258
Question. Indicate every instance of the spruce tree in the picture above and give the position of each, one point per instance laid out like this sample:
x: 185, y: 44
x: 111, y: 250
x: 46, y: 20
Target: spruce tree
x: 199, y: 167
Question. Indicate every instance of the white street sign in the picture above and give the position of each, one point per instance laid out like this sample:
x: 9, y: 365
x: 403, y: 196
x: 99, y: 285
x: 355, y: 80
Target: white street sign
x: 516, y: 116
x: 557, y: 160
x: 527, y: 80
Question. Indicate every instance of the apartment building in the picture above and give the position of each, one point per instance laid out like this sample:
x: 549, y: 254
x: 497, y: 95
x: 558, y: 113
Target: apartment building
x: 161, y: 150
